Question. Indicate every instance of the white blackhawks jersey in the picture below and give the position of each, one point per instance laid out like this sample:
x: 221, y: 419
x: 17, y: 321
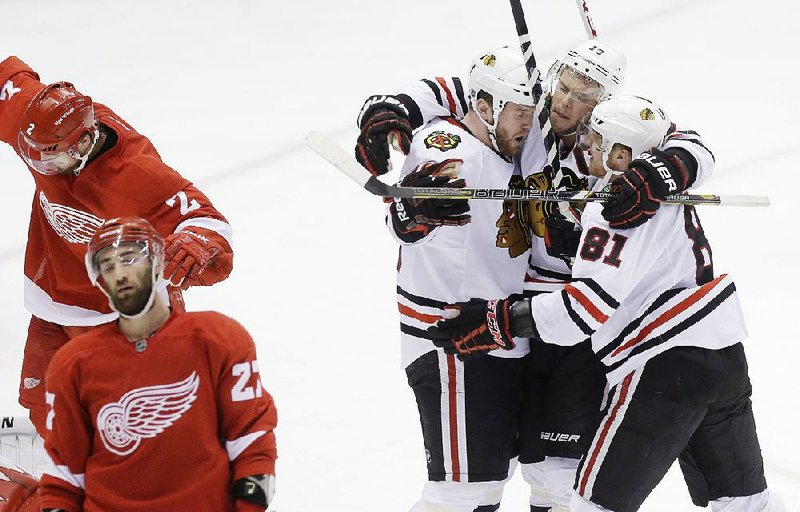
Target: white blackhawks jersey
x: 429, y: 98
x: 638, y: 292
x: 456, y: 263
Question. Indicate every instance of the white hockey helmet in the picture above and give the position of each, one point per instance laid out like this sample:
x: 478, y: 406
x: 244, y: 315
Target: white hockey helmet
x: 632, y: 121
x: 502, y: 74
x: 597, y: 61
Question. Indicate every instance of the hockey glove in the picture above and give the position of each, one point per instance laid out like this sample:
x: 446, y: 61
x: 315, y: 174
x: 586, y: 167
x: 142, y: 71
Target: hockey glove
x: 478, y: 327
x: 254, y: 493
x: 19, y: 492
x: 414, y: 218
x: 380, y: 118
x: 189, y: 256
x: 649, y: 179
x: 561, y: 236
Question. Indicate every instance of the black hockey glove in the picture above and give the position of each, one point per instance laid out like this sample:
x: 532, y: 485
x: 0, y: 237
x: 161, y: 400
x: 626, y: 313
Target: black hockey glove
x: 380, y: 117
x: 649, y: 179
x: 479, y: 327
x: 414, y: 218
x: 561, y: 236
x: 253, y: 493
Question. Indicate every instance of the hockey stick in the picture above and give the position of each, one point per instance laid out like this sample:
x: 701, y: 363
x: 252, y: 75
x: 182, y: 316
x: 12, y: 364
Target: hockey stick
x: 328, y: 149
x: 588, y: 24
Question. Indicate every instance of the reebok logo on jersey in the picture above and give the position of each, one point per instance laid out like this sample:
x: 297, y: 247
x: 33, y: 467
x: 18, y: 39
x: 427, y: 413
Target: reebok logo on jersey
x: 8, y: 90
x: 659, y: 165
x: 30, y: 382
x: 442, y: 141
x: 144, y: 413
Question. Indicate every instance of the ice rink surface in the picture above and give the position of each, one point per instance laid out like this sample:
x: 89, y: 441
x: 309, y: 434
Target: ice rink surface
x: 227, y: 90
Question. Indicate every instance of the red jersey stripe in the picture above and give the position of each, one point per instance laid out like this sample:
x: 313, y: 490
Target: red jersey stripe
x: 671, y: 313
x: 451, y: 102
x: 453, y: 413
x: 584, y: 301
x: 422, y: 317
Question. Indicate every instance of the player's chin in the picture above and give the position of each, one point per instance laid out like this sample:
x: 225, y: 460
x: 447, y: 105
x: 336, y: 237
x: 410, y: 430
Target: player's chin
x: 512, y: 147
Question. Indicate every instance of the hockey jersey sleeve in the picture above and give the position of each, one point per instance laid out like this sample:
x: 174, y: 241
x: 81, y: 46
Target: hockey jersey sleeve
x: 173, y: 204
x: 695, y: 153
x: 68, y: 441
x: 18, y: 85
x: 246, y: 410
x: 608, y: 267
x: 430, y: 98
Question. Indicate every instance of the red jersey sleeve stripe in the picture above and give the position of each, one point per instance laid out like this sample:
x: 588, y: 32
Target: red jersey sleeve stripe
x: 584, y: 301
x: 422, y: 317
x: 450, y: 101
x: 670, y: 314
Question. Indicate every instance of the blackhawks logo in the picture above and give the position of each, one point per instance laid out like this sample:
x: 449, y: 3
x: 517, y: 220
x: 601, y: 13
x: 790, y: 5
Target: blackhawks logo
x: 442, y: 141
x: 647, y: 115
x: 523, y: 220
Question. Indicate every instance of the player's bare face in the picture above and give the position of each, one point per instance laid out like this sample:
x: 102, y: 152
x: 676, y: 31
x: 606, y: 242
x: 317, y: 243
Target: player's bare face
x: 513, y: 125
x: 574, y: 96
x: 127, y: 272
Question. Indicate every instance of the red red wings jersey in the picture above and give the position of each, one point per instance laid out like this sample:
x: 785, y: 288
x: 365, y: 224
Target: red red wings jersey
x: 127, y: 180
x: 164, y: 424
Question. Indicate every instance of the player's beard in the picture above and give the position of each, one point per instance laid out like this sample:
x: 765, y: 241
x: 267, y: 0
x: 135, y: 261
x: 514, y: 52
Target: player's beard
x: 507, y: 145
x: 134, y: 303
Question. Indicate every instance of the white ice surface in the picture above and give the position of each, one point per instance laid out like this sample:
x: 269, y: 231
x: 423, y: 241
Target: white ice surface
x: 228, y: 89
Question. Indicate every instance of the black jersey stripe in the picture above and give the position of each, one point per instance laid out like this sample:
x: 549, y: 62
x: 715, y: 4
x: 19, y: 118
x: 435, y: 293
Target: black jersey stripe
x: 660, y: 301
x: 597, y: 289
x: 421, y: 301
x: 552, y: 274
x: 415, y: 331
x: 697, y: 142
x: 414, y: 113
x: 686, y: 323
x: 460, y: 94
x: 576, y: 319
x: 694, y: 318
x: 436, y: 91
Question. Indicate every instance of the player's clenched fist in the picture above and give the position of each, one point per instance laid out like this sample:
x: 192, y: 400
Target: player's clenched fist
x: 476, y: 327
x: 189, y: 257
x: 380, y: 118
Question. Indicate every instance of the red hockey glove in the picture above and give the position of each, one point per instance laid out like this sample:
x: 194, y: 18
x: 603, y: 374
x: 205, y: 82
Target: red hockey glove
x: 380, y: 118
x: 479, y: 327
x: 414, y: 218
x: 189, y: 256
x: 19, y: 491
x: 649, y: 179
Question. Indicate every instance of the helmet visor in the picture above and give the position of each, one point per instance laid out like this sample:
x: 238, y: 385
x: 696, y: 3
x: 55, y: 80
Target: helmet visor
x: 566, y: 82
x: 119, y: 253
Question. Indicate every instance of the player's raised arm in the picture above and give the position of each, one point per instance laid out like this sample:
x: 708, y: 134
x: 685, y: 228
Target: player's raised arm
x: 385, y: 117
x: 18, y: 85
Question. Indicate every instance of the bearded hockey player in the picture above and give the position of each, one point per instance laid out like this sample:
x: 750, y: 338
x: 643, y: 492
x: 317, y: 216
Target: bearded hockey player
x: 160, y: 410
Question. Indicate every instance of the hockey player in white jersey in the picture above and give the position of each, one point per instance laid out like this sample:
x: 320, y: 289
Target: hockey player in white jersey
x: 668, y: 332
x: 563, y: 386
x: 449, y: 252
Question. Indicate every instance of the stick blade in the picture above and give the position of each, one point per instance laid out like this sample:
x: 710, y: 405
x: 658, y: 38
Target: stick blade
x: 737, y: 200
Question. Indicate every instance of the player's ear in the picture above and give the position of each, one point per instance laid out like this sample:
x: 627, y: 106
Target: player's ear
x: 484, y: 109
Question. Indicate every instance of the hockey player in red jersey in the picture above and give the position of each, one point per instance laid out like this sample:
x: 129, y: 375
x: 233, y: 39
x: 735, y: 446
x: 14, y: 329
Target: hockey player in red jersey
x: 160, y: 410
x: 668, y: 332
x: 89, y: 165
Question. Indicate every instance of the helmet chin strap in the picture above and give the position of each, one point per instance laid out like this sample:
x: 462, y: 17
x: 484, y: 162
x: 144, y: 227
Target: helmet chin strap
x: 497, y: 107
x: 84, y: 159
x: 158, y: 283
